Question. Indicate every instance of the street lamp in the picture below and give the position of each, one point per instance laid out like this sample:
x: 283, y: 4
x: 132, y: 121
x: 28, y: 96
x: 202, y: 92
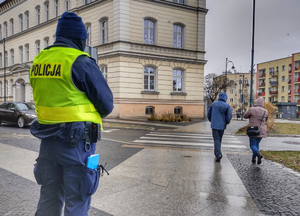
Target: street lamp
x: 252, y: 55
x: 225, y: 82
x: 4, y: 57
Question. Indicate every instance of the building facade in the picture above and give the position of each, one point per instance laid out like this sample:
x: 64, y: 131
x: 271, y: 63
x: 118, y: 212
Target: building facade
x: 150, y: 52
x: 238, y: 92
x: 278, y: 81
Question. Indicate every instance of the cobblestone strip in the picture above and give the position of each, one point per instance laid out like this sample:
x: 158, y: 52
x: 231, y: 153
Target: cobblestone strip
x: 274, y: 189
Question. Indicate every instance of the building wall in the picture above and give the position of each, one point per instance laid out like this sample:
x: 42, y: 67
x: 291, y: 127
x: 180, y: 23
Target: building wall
x: 125, y: 54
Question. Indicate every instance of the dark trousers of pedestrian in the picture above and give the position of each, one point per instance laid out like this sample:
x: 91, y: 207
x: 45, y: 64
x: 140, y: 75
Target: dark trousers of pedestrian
x: 217, y: 136
x: 64, y: 178
x: 254, y: 145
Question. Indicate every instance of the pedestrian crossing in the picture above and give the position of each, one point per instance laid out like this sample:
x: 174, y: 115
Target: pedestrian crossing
x: 188, y: 140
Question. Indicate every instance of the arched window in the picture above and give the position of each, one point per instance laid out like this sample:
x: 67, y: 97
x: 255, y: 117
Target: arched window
x: 150, y: 78
x: 178, y: 35
x: 103, y: 68
x: 84, y: 2
x: 177, y: 110
x: 20, y: 22
x: 46, y: 10
x: 37, y: 15
x: 150, y: 31
x: 89, y: 35
x: 37, y: 47
x: 0, y: 60
x: 178, y: 76
x: 26, y: 20
x: 55, y: 8
x: 11, y: 26
x: 12, y: 57
x: 5, y: 29
x: 103, y: 26
x: 46, y: 42
x: 20, y: 54
x: 26, y: 53
x: 66, y: 5
x: 149, y: 110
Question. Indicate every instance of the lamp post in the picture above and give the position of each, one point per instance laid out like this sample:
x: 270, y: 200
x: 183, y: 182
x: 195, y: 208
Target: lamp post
x: 225, y: 82
x: 4, y: 57
x: 252, y: 55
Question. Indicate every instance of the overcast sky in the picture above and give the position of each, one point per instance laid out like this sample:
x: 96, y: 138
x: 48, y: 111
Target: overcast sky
x: 229, y: 32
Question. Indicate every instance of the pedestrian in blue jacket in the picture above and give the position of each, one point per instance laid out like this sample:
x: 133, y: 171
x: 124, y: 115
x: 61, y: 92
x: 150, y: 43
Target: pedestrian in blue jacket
x: 219, y: 114
x: 68, y: 121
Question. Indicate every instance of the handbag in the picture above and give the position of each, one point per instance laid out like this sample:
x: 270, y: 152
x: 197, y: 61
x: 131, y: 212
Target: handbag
x: 254, y: 130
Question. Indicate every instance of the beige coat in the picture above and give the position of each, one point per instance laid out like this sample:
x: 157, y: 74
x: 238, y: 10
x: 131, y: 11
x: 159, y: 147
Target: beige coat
x: 255, y: 115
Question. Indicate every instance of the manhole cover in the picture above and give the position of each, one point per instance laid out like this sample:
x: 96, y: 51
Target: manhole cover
x: 291, y: 142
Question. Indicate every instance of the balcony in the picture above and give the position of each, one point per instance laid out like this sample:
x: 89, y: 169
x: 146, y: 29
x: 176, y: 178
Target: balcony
x: 297, y: 79
x: 273, y: 92
x: 298, y: 101
x: 262, y: 84
x: 261, y: 93
x: 289, y: 91
x: 262, y: 75
x: 273, y: 74
x: 290, y: 81
x: 273, y: 83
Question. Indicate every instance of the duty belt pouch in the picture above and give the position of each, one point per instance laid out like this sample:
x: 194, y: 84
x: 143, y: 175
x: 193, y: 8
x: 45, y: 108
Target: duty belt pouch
x: 95, y: 133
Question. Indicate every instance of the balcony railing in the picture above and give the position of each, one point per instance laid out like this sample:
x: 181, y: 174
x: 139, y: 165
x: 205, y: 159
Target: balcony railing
x: 273, y: 92
x: 262, y: 75
x: 290, y: 81
x: 273, y: 83
x: 273, y: 73
x: 261, y: 93
x: 262, y: 84
x: 297, y: 79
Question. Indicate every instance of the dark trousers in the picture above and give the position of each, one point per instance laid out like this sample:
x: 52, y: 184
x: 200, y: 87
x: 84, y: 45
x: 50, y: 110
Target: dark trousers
x: 64, y: 178
x: 217, y: 135
x: 254, y: 145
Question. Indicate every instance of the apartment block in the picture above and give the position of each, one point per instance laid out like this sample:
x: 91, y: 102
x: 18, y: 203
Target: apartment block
x: 151, y: 52
x: 278, y: 81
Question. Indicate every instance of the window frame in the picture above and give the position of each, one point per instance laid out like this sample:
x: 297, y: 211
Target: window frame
x: 46, y: 42
x: 26, y: 20
x: 183, y: 1
x: 26, y: 52
x: 88, y: 27
x: 182, y: 33
x: 149, y: 110
x: 103, y: 69
x: 11, y: 26
x: 37, y: 47
x: 21, y: 54
x: 103, y: 30
x: 12, y: 56
x: 5, y: 29
x: 181, y: 77
x: 21, y: 22
x: 46, y: 11
x: 149, y: 75
x: 55, y: 8
x: 37, y: 15
x: 176, y: 110
x: 66, y: 5
x: 148, y: 27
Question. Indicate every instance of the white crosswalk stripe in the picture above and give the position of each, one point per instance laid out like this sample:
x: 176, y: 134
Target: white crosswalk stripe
x: 188, y: 140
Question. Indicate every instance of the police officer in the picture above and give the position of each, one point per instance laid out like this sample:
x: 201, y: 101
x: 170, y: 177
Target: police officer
x: 71, y: 97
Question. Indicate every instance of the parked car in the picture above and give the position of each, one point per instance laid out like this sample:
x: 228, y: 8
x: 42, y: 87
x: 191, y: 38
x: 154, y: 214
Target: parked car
x: 20, y: 113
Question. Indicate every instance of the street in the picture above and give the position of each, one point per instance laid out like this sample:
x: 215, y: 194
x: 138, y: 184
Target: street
x: 166, y: 171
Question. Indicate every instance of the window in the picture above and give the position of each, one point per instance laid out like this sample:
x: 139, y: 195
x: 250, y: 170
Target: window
x: 46, y: 10
x: 37, y: 15
x: 231, y: 91
x: 11, y: 87
x: 26, y: 57
x: 11, y: 26
x: 103, y: 31
x: 12, y: 57
x: 283, y: 67
x: 277, y: 69
x: 5, y: 30
x: 104, y: 71
x: 89, y: 35
x: 26, y: 19
x: 6, y: 88
x: 231, y: 100
x: 271, y: 71
x: 282, y: 98
x: 20, y: 22
x: 178, y: 35
x: 282, y: 88
x: 149, y: 78
x: 177, y: 110
x: 55, y: 8
x: 37, y: 47
x: 149, y: 110
x: 179, y: 1
x: 0, y: 60
x: 5, y: 59
x: 177, y: 80
x: 149, y: 31
x: 20, y: 54
x: 3, y: 105
x: 84, y: 2
x: 66, y: 5
x: 46, y: 42
x: 0, y: 33
x: 283, y: 78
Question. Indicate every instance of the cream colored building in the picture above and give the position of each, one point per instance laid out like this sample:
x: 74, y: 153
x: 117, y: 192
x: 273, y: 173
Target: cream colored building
x: 238, y: 93
x: 151, y: 52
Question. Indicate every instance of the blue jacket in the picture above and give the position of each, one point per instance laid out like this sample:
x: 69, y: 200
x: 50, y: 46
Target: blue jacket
x: 88, y: 78
x: 219, y: 113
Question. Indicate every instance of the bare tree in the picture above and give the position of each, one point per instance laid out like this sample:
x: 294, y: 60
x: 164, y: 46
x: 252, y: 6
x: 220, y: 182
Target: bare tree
x: 213, y: 86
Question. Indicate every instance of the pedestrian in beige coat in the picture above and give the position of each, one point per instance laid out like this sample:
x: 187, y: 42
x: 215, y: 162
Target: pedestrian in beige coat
x: 257, y: 117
